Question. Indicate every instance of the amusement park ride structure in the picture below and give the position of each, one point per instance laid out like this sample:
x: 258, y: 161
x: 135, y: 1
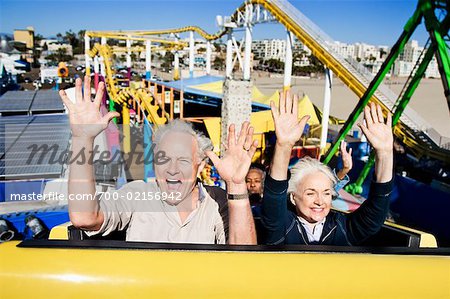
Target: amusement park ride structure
x: 406, y: 262
x: 408, y: 126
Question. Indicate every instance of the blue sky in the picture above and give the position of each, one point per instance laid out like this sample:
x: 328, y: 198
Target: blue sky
x: 377, y: 22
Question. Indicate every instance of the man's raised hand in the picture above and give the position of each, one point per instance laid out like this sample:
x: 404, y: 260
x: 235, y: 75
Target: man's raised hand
x: 234, y: 164
x: 86, y: 121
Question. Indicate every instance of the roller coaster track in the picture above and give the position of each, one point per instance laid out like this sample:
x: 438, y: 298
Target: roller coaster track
x: 122, y: 96
x: 411, y: 128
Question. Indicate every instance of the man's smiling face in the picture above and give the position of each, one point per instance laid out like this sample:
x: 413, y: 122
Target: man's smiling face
x: 177, y: 169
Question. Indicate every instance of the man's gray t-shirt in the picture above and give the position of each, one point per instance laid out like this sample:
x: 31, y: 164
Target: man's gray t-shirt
x: 155, y: 220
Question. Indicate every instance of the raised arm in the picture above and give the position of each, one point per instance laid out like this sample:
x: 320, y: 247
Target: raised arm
x: 370, y: 216
x: 233, y: 168
x: 86, y: 122
x: 288, y: 130
x: 347, y: 161
x: 379, y: 135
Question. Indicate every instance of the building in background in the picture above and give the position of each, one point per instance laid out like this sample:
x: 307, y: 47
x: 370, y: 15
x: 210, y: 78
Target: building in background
x: 24, y: 41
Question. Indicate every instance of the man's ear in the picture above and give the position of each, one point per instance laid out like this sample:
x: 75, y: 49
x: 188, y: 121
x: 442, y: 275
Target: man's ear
x: 200, y: 167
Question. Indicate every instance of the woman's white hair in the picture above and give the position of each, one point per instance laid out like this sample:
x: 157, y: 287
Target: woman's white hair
x: 181, y: 126
x: 307, y: 166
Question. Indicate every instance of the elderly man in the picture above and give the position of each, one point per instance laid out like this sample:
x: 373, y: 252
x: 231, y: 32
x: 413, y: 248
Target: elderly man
x: 254, y: 179
x: 175, y: 208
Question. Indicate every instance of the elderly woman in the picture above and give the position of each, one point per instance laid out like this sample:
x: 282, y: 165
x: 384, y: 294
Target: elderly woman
x: 311, y: 187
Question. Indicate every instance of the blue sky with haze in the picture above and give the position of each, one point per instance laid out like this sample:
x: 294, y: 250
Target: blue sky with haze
x: 377, y: 22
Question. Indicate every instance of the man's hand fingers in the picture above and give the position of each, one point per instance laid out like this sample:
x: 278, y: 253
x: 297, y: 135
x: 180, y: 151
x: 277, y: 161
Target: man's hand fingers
x: 65, y: 99
x: 110, y: 115
x: 243, y: 133
x: 99, y: 94
x: 231, y: 135
x: 248, y: 138
x: 253, y: 148
x: 87, y: 88
x: 78, y: 91
x: 350, y: 152
x: 213, y: 157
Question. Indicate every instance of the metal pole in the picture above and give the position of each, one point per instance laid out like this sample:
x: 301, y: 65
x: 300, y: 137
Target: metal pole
x: 288, y: 62
x: 191, y: 54
x: 326, y: 108
x: 409, y: 28
x: 229, y: 58
x: 248, y: 44
x: 87, y: 59
x: 148, y: 59
x: 129, y: 60
x: 208, y: 57
x: 96, y: 70
x: 102, y: 60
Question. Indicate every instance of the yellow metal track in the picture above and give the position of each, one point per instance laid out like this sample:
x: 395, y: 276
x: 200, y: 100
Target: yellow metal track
x: 120, y: 273
x: 403, y: 132
x: 122, y: 96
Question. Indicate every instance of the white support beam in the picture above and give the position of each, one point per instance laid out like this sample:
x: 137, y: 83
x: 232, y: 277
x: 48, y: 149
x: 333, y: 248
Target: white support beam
x: 238, y: 50
x: 229, y: 58
x: 87, y: 59
x: 248, y: 43
x: 208, y: 57
x: 102, y: 62
x: 288, y: 62
x: 191, y: 54
x: 326, y: 107
x: 148, y: 59
x: 128, y: 53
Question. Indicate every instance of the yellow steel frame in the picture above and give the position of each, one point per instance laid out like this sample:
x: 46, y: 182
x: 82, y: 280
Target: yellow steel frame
x: 401, y: 131
x: 105, y: 273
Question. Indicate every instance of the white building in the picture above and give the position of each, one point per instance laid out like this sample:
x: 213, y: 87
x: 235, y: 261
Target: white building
x: 345, y: 50
x: 408, y: 59
x: 53, y: 48
x: 53, y: 45
x: 269, y: 49
x: 11, y: 64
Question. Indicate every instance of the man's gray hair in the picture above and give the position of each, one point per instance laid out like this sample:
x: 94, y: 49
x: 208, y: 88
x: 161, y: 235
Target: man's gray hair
x: 181, y: 126
x: 308, y: 165
x: 262, y: 172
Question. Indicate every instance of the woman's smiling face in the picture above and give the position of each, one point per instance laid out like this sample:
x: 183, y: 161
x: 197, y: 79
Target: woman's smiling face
x: 313, y: 197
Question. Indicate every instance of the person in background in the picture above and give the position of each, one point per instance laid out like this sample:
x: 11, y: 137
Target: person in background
x: 347, y: 164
